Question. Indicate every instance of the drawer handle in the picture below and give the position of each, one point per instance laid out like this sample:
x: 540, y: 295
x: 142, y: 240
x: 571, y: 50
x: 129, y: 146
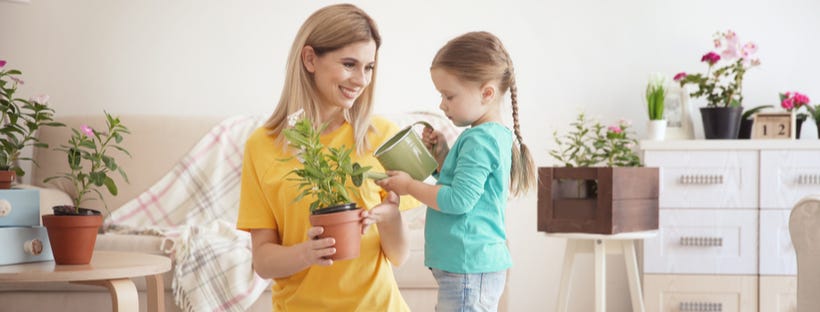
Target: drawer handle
x: 701, y: 179
x: 699, y: 241
x: 5, y: 208
x: 33, y: 247
x: 808, y: 179
x: 701, y: 307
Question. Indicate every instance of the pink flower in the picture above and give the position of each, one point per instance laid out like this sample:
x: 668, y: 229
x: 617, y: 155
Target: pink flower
x: 679, y: 76
x: 87, y: 130
x: 710, y: 58
x: 17, y: 80
x: 793, y: 100
x: 787, y: 103
x: 41, y: 99
x: 614, y: 129
x: 749, y: 49
x: 800, y: 99
x: 2, y: 63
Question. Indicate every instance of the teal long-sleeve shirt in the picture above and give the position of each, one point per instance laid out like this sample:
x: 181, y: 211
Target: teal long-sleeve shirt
x: 468, y: 234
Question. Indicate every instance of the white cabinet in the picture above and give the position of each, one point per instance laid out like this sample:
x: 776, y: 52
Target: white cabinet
x: 723, y: 241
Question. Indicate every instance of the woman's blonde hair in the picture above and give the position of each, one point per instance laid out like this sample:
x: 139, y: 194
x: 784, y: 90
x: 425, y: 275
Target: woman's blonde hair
x: 328, y: 29
x: 480, y: 57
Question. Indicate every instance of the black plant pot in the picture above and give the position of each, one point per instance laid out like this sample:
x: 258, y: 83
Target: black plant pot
x: 799, y: 119
x: 721, y: 122
x: 745, y: 129
x: 332, y: 209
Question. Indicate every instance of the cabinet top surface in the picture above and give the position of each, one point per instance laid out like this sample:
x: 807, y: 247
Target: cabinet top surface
x: 691, y: 145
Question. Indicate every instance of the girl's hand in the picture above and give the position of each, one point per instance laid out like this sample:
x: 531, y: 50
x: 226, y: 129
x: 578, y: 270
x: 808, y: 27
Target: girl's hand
x: 387, y: 211
x: 436, y: 144
x: 317, y: 251
x: 396, y: 181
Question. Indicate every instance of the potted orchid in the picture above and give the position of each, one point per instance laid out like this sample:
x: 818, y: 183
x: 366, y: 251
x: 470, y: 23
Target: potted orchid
x: 19, y: 121
x: 72, y: 230
x: 792, y: 102
x: 722, y: 86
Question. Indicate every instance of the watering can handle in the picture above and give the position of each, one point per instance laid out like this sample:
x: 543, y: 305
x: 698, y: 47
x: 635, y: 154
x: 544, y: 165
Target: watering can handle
x: 426, y: 125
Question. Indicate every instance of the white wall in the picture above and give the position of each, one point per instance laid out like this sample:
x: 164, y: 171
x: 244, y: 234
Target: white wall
x: 220, y: 57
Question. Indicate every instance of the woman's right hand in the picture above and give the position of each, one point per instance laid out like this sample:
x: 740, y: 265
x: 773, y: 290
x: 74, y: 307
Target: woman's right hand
x: 436, y: 144
x: 317, y: 251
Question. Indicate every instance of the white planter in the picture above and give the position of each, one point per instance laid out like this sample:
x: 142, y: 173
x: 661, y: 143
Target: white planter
x: 655, y: 130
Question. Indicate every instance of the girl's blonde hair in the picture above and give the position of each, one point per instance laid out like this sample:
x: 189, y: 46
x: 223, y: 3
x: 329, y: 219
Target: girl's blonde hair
x: 328, y: 29
x: 480, y: 57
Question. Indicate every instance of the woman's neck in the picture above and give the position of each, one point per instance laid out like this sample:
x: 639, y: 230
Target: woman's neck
x: 334, y: 118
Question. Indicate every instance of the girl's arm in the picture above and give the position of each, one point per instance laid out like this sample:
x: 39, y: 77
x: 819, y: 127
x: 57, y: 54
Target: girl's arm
x: 392, y: 228
x: 272, y: 260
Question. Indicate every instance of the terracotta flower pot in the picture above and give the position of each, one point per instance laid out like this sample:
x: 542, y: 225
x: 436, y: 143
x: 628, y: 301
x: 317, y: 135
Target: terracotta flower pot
x: 72, y: 238
x: 7, y: 177
x: 344, y: 226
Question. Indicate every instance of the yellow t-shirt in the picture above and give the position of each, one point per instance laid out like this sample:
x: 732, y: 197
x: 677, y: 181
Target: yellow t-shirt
x: 365, y: 283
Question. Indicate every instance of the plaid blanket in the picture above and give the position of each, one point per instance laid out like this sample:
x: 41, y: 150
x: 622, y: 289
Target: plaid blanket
x: 195, y: 208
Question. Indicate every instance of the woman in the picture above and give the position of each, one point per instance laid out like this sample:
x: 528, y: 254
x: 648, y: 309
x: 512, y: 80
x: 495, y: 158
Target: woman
x: 330, y: 70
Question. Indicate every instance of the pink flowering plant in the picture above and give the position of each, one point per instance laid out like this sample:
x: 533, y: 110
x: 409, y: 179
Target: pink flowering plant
x: 722, y: 86
x: 590, y: 144
x: 19, y: 120
x: 90, y: 164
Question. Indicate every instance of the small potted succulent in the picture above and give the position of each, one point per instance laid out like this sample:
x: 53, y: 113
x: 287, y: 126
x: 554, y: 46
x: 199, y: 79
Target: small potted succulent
x: 19, y: 120
x: 72, y: 230
x: 323, y: 178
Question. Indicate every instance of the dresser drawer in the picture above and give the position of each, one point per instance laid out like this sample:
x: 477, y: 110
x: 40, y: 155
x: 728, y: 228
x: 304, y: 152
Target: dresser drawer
x: 700, y: 293
x: 788, y: 176
x: 24, y: 244
x: 778, y: 293
x: 777, y: 255
x: 20, y: 207
x: 706, y: 179
x: 703, y: 241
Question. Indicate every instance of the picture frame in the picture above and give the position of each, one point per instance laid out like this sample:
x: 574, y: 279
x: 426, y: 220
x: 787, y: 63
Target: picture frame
x: 780, y: 125
x: 678, y: 113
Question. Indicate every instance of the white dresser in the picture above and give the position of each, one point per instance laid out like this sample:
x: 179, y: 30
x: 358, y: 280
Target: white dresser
x: 723, y: 243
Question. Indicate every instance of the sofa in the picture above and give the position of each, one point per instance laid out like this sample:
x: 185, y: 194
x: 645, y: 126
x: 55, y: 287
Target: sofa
x: 157, y: 143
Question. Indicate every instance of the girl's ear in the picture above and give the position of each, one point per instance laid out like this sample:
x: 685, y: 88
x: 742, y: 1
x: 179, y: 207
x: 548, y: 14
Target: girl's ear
x: 488, y: 91
x: 309, y: 58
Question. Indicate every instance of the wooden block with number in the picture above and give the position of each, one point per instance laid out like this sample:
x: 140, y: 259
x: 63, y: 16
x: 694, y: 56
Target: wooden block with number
x: 773, y: 126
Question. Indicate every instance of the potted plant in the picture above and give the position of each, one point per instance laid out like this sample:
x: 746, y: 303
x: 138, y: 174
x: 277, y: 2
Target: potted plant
x: 19, y: 120
x: 814, y: 112
x: 72, y: 230
x: 323, y: 178
x: 746, y: 121
x: 792, y: 102
x: 602, y: 187
x: 722, y: 86
x: 655, y: 95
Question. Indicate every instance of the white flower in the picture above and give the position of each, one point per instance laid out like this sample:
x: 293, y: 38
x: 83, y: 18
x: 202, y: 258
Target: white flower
x: 658, y: 81
x: 293, y: 118
x: 40, y: 99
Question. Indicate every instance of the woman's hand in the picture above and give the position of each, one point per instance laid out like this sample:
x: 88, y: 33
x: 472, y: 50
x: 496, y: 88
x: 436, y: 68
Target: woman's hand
x: 436, y: 144
x: 387, y: 211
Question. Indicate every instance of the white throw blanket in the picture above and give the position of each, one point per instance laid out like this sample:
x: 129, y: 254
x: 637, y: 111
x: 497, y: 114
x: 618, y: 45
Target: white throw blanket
x: 195, y: 206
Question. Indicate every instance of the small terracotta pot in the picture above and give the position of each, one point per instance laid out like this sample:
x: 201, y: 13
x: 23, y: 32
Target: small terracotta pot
x: 7, y: 177
x: 344, y: 226
x: 72, y: 238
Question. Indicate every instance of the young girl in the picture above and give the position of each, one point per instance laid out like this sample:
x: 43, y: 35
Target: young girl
x: 465, y: 236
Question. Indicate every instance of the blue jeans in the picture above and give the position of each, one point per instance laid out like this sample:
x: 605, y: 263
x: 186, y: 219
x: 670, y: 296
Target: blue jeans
x: 469, y: 292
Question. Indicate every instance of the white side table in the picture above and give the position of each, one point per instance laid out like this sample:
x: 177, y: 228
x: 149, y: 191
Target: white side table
x: 599, y: 244
x: 110, y: 269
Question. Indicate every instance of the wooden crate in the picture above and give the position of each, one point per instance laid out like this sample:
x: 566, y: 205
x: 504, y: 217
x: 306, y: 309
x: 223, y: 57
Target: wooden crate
x: 626, y: 200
